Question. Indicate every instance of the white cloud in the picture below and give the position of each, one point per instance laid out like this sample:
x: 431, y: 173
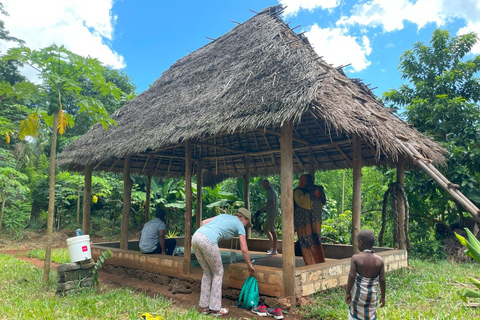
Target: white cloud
x: 82, y: 26
x: 472, y: 27
x: 339, y: 48
x: 391, y: 15
x: 294, y: 6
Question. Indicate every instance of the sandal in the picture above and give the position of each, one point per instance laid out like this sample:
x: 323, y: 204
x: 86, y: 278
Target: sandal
x: 220, y: 312
x: 205, y: 311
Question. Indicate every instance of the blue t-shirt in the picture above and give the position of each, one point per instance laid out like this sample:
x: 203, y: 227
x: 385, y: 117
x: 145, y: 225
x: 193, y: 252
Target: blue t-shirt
x: 223, y: 227
x: 149, y: 238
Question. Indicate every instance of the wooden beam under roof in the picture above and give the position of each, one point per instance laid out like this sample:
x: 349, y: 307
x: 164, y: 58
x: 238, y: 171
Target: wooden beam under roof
x: 217, y: 146
x: 268, y: 152
x: 298, y: 139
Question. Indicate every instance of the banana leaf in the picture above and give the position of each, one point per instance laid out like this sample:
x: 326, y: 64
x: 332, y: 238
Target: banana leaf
x: 475, y: 282
x: 473, y: 240
x: 465, y: 293
x: 219, y: 203
x: 471, y: 250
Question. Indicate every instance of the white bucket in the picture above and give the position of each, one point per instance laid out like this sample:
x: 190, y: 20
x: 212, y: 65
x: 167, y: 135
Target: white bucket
x: 79, y: 248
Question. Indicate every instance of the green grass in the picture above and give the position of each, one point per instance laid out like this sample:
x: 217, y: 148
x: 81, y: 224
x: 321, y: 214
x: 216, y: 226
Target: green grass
x: 23, y: 295
x: 60, y: 255
x: 426, y: 290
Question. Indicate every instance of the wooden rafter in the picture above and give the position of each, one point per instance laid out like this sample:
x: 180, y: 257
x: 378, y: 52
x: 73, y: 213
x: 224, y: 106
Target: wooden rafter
x: 344, y: 154
x: 277, y: 151
x: 298, y: 139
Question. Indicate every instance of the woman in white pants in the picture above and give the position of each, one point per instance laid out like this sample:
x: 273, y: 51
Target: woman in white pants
x: 205, y: 245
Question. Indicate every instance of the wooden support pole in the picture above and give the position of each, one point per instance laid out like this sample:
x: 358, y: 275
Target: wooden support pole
x: 151, y: 164
x: 127, y: 196
x: 311, y: 167
x: 199, y: 194
x: 442, y: 181
x: 79, y: 194
x: 246, y: 190
x: 188, y: 210
x: 402, y: 239
x: 87, y: 200
x: 147, y: 198
x: 343, y: 192
x: 357, y: 190
x: 286, y: 176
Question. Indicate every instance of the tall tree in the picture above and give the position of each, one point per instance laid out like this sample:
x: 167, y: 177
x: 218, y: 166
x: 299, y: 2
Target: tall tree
x: 441, y: 100
x: 83, y: 120
x: 62, y: 74
x: 9, y: 73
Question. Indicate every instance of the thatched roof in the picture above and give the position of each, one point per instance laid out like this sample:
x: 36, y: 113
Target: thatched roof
x: 230, y: 99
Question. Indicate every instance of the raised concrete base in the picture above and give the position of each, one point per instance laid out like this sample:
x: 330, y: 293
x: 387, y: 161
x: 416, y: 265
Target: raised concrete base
x: 308, y: 279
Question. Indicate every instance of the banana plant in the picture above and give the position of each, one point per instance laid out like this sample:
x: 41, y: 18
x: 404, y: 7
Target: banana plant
x: 473, y: 250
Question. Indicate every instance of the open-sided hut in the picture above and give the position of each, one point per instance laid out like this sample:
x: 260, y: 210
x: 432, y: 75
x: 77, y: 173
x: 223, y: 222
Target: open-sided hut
x: 256, y: 101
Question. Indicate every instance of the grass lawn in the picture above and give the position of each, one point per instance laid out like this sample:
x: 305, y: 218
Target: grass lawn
x: 60, y: 255
x: 23, y: 295
x: 424, y: 291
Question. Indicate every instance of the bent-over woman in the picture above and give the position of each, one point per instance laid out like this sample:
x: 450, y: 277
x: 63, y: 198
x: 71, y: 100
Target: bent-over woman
x: 205, y: 245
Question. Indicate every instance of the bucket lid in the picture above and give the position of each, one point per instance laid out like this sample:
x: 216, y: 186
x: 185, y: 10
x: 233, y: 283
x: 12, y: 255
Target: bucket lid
x: 78, y: 239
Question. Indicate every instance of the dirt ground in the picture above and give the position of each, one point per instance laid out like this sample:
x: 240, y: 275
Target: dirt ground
x: 21, y: 247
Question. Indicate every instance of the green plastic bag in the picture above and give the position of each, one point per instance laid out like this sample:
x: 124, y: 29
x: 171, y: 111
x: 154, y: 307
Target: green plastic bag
x: 249, y: 296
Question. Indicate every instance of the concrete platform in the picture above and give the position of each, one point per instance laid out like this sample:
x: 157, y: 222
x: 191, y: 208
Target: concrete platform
x: 269, y: 275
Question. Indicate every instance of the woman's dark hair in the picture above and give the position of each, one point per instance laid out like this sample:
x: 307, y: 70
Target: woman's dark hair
x: 160, y: 213
x: 310, y: 180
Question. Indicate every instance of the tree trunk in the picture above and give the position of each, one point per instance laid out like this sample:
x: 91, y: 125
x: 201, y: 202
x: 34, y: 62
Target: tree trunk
x: 3, y: 207
x: 58, y: 215
x: 51, y: 199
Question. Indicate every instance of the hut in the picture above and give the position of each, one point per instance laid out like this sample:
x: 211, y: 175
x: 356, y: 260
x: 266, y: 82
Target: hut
x: 256, y: 101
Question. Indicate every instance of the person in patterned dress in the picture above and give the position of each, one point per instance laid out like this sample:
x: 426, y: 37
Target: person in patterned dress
x: 309, y: 200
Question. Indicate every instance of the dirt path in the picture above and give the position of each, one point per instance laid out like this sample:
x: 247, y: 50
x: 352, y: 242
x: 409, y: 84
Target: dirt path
x: 183, y: 301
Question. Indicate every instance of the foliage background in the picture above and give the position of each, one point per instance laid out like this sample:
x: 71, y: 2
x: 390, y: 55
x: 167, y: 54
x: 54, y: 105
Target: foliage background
x: 440, y: 98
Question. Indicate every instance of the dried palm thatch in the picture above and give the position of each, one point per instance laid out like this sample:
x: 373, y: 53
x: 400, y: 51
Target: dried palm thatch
x: 230, y: 99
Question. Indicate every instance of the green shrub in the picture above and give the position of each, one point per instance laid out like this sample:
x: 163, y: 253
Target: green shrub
x: 424, y: 245
x: 17, y: 216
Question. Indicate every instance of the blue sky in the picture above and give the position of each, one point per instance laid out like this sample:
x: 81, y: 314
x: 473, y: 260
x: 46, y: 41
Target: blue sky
x: 146, y: 37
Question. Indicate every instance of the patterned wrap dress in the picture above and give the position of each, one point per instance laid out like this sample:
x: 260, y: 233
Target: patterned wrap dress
x: 308, y: 225
x: 364, y: 299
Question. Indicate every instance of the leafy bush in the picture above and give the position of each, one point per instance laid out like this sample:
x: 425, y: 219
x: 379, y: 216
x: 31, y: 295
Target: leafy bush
x: 425, y: 245
x: 17, y: 216
x: 339, y: 227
